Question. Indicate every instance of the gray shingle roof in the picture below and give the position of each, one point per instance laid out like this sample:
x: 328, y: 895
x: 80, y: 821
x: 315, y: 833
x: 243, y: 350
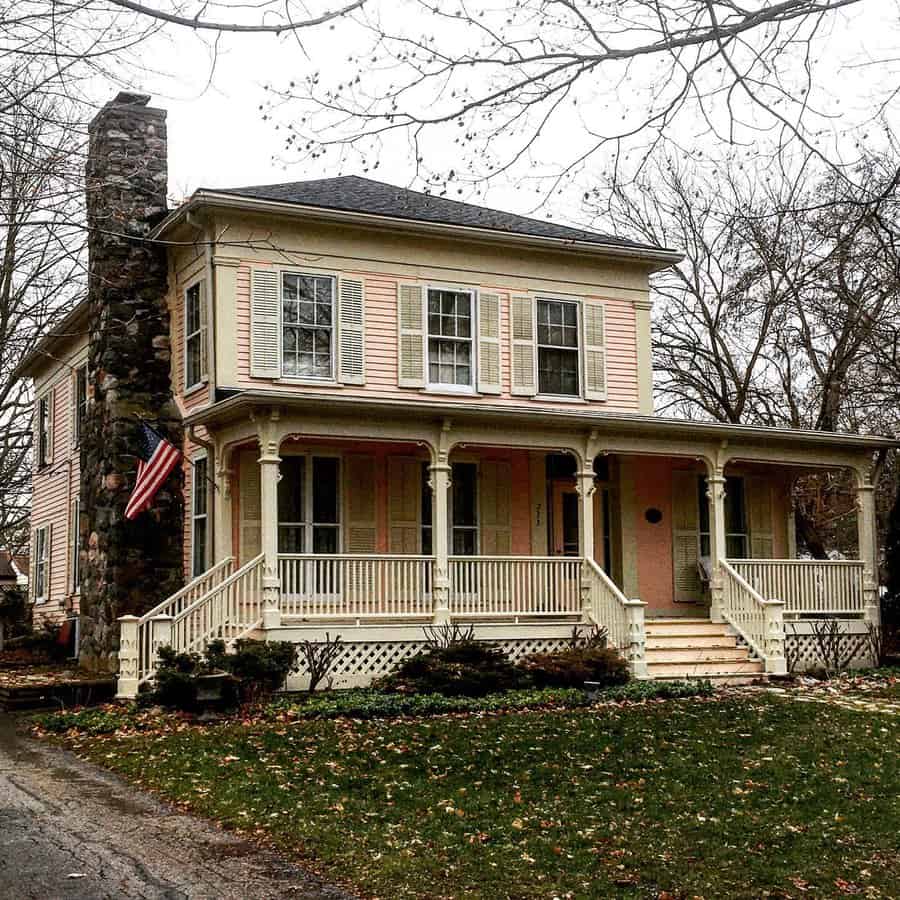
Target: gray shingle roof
x: 355, y: 194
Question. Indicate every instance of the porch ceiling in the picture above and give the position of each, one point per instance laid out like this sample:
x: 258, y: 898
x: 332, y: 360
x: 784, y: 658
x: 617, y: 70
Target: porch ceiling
x: 237, y: 408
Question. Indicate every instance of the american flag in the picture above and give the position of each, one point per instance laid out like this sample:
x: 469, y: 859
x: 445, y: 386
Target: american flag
x: 157, y: 457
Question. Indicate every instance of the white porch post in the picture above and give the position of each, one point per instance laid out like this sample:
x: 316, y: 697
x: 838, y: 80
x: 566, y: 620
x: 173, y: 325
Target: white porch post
x: 585, y: 485
x: 222, y: 500
x: 269, y: 461
x: 868, y: 544
x: 715, y: 494
x: 440, y: 526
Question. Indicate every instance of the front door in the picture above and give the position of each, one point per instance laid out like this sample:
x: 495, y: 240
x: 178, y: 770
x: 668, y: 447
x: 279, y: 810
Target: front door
x: 565, y: 520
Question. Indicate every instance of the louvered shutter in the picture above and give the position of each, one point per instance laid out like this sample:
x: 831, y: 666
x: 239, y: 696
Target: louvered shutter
x: 594, y: 332
x: 495, y: 508
x: 404, y: 503
x: 250, y: 506
x: 522, y: 347
x: 265, y: 324
x: 204, y: 332
x: 359, y: 481
x: 410, y: 336
x: 685, y: 536
x: 351, y: 332
x: 489, y: 344
x: 758, y: 492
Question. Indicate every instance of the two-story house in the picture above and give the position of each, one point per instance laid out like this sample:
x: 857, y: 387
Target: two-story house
x: 401, y: 409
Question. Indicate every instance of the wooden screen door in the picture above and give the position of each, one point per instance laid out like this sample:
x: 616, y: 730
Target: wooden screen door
x: 565, y: 520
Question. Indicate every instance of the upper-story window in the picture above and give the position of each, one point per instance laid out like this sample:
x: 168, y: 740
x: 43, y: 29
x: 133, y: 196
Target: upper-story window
x: 80, y: 411
x: 557, y: 346
x: 307, y: 310
x: 194, y: 337
x: 44, y: 429
x: 450, y: 315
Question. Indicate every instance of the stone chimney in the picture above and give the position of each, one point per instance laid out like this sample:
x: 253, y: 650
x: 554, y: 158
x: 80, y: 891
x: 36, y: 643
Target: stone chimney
x: 127, y: 567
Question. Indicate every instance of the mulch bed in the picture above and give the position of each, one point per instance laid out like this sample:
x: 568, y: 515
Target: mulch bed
x: 25, y: 685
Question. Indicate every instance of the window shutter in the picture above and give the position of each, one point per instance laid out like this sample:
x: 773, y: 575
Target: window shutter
x: 265, y: 324
x: 523, y: 347
x: 594, y: 330
x: 351, y: 332
x: 410, y: 336
x: 685, y: 536
x: 360, y: 529
x: 759, y: 506
x: 204, y: 332
x: 495, y: 508
x: 251, y: 506
x: 404, y: 503
x: 489, y: 344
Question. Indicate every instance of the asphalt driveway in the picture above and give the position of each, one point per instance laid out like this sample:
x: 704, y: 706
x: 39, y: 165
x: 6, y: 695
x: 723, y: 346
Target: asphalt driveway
x: 69, y: 830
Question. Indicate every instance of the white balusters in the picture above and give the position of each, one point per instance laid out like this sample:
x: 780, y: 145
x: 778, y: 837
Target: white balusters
x: 758, y: 620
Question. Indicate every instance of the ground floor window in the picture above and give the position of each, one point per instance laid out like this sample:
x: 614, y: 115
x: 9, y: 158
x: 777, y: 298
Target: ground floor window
x: 426, y: 512
x: 41, y: 563
x: 309, y: 505
x: 735, y: 517
x: 465, y: 509
x: 76, y: 545
x: 200, y: 516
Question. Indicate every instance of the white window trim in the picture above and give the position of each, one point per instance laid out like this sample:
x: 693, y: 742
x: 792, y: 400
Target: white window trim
x: 200, y: 455
x: 308, y: 524
x: 75, y: 547
x: 579, y: 331
x: 310, y: 272
x: 76, y: 420
x: 450, y: 525
x: 44, y: 596
x: 45, y: 397
x: 204, y: 377
x: 439, y: 387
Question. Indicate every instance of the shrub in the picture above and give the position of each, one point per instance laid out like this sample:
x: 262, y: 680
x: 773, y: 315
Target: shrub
x: 464, y: 668
x: 261, y: 667
x: 575, y: 665
x: 42, y: 644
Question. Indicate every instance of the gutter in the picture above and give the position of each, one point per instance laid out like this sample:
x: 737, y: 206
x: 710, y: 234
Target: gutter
x: 658, y: 258
x: 562, y: 418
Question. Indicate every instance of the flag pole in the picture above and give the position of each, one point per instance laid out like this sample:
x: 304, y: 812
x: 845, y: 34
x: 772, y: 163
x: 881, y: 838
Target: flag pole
x: 143, y: 421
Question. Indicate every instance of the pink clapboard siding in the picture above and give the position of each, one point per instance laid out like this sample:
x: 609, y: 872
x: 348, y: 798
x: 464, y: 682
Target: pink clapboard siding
x: 653, y: 488
x: 54, y: 488
x: 381, y: 345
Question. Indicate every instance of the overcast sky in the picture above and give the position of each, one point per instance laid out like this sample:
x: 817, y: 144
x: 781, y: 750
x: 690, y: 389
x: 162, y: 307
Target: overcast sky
x: 217, y: 136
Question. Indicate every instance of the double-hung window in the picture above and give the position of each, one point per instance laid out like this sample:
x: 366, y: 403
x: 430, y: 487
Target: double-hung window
x: 194, y: 336
x: 80, y: 388
x: 41, y: 564
x: 465, y: 508
x: 450, y: 352
x: 557, y: 347
x: 200, y: 516
x: 735, y: 518
x: 309, y: 504
x: 44, y: 415
x: 307, y: 313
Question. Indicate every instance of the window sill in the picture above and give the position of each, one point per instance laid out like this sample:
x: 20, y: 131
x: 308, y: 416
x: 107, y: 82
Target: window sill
x: 561, y: 398
x: 194, y: 389
x: 450, y: 390
x: 317, y: 382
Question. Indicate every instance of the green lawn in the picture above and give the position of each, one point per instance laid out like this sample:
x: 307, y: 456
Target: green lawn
x: 688, y: 798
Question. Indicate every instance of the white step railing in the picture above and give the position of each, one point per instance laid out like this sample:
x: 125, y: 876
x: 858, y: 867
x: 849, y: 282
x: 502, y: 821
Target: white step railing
x: 807, y: 585
x: 760, y: 622
x: 355, y: 586
x: 219, y: 603
x: 514, y: 586
x: 608, y: 606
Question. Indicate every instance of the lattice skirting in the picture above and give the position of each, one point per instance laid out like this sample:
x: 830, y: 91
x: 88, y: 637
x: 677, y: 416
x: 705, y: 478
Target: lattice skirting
x: 362, y: 661
x: 801, y: 647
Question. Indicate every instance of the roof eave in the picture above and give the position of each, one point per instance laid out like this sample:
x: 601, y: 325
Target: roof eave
x: 61, y: 332
x: 234, y: 405
x: 654, y: 258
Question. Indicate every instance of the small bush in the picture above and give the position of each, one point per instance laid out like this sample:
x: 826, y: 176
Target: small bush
x: 575, y: 665
x: 464, y: 668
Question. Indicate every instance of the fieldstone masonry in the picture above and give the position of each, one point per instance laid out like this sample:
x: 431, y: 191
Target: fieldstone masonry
x: 127, y: 567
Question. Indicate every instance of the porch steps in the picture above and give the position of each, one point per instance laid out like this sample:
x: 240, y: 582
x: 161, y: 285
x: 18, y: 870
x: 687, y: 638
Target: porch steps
x: 698, y: 648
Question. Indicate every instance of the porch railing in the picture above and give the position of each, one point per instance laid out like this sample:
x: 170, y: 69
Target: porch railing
x: 514, y: 586
x: 355, y: 586
x: 807, y: 585
x: 760, y: 622
x: 624, y: 618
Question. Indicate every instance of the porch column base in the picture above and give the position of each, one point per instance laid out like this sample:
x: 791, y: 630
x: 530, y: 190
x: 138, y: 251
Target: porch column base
x: 271, y: 614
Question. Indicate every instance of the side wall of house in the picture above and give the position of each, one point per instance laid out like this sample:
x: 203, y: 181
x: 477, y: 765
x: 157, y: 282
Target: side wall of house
x: 56, y: 487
